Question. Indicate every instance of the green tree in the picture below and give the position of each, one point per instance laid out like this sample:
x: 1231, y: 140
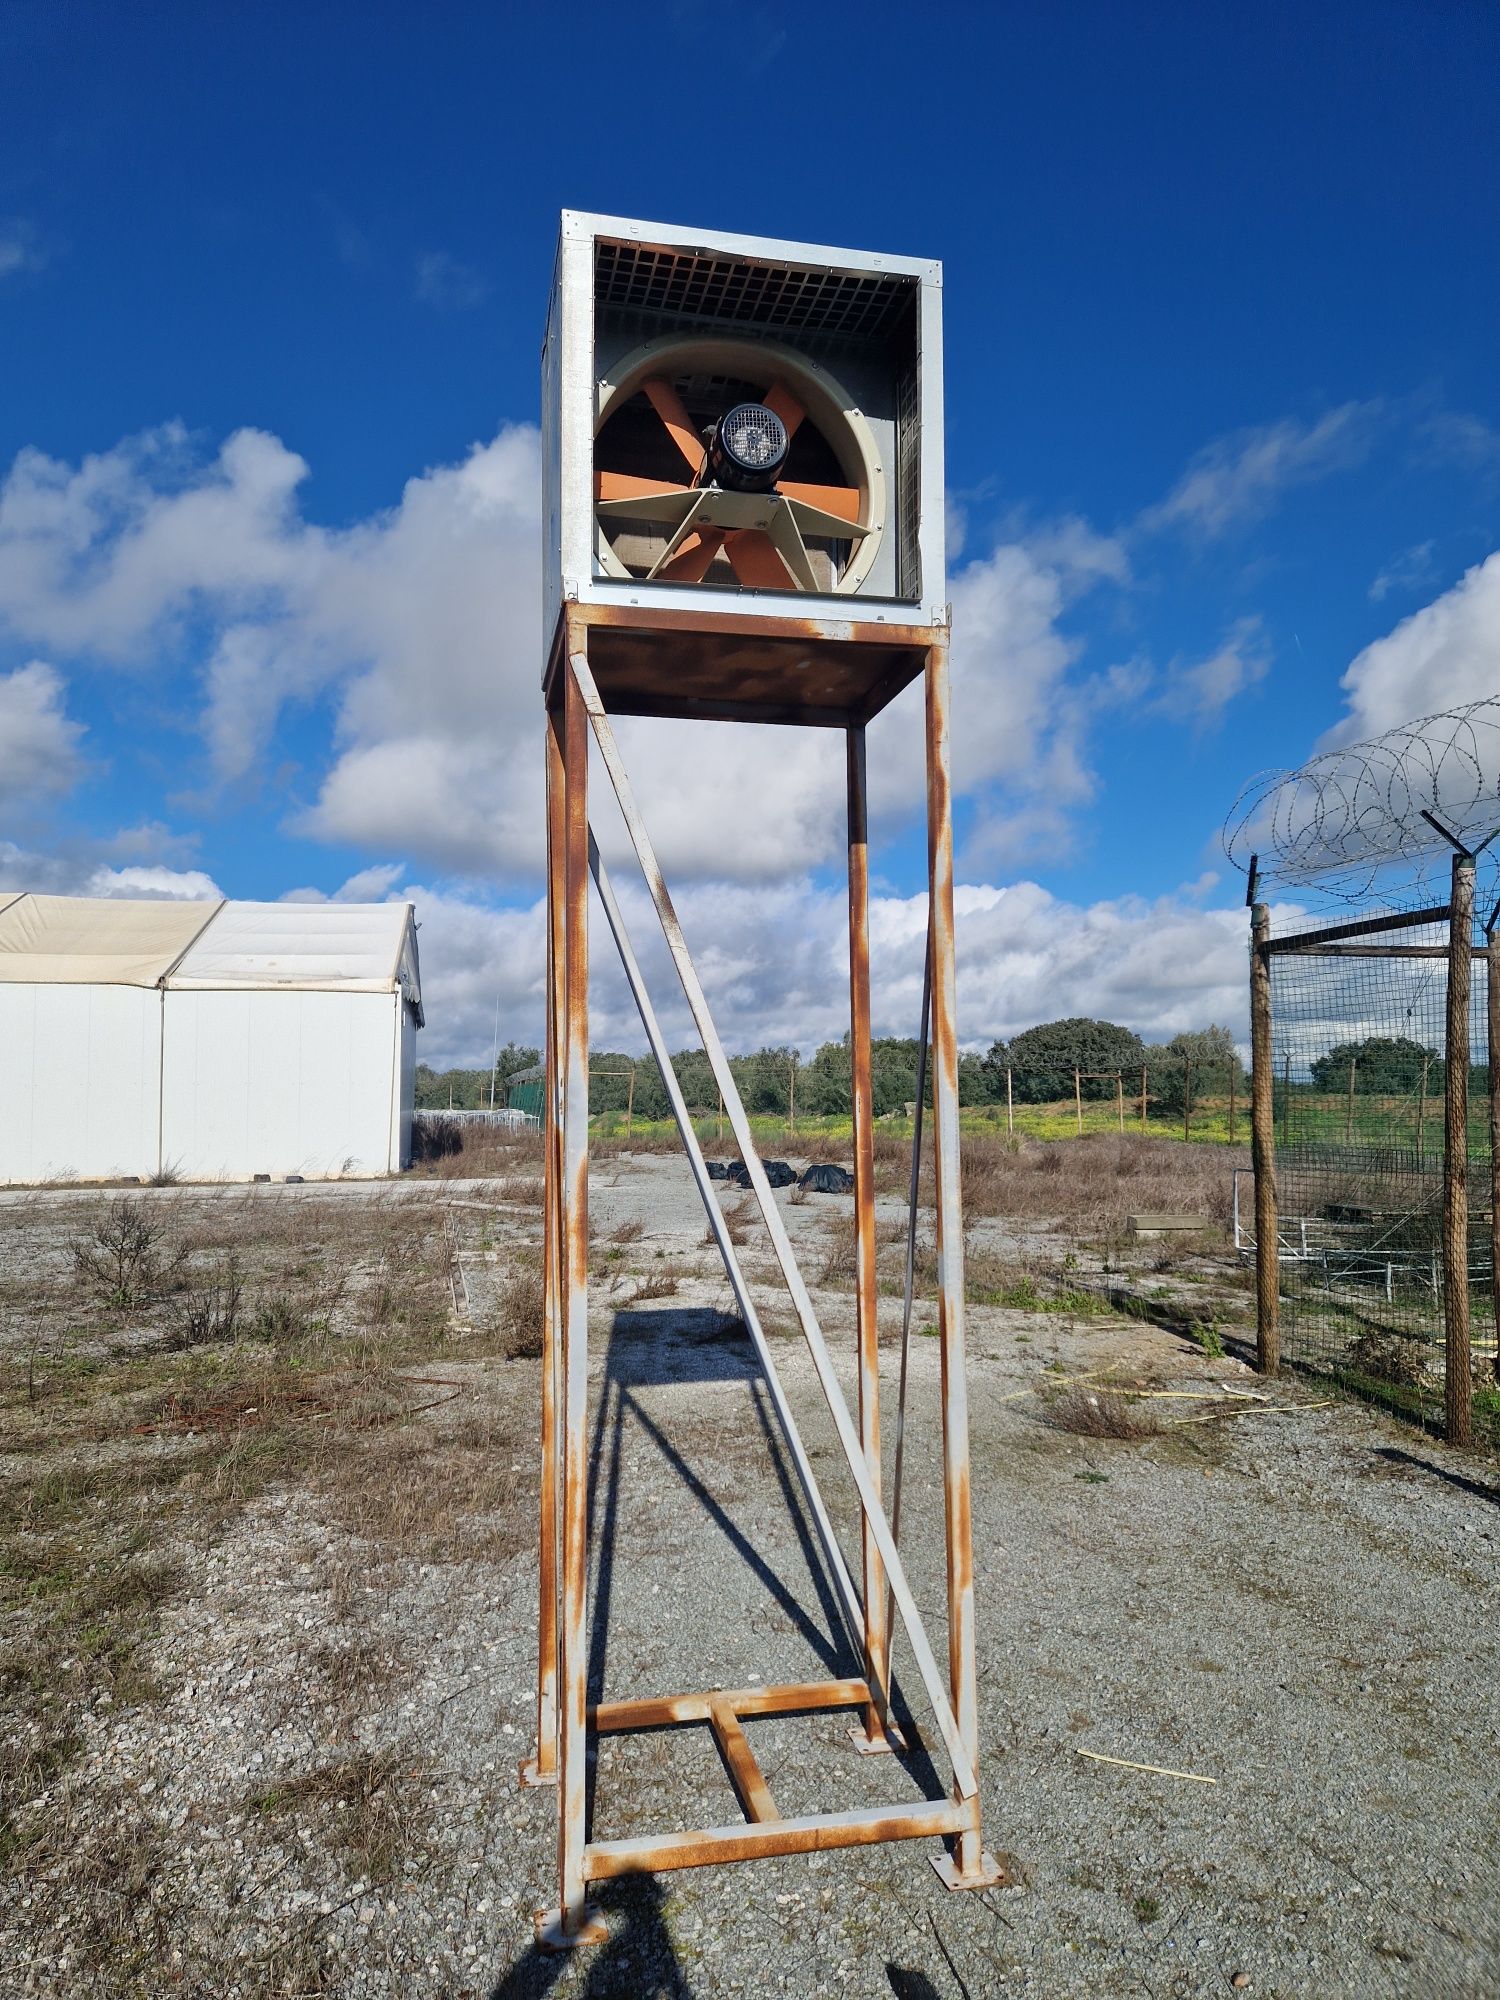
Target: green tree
x: 1042, y: 1060
x: 1193, y: 1065
x: 1384, y: 1066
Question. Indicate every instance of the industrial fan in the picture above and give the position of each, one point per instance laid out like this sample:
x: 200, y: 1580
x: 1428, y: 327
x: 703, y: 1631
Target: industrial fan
x: 734, y: 463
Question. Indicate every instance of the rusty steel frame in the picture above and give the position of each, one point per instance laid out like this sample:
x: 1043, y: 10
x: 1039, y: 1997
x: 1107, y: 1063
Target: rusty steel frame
x: 565, y: 1722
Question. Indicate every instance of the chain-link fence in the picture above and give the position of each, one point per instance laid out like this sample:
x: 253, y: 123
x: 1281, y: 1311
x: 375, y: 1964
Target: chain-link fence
x: 1360, y: 1073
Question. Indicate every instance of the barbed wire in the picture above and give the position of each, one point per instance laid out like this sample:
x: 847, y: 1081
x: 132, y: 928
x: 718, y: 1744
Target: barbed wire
x: 1348, y: 824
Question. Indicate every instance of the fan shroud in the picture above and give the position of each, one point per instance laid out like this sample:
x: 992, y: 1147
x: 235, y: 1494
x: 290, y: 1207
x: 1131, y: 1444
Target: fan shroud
x: 819, y: 532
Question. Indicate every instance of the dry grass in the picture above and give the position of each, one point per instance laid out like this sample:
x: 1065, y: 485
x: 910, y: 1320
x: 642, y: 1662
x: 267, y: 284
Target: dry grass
x: 462, y: 1150
x: 662, y: 1283
x: 521, y: 1310
x: 740, y: 1217
x: 1101, y: 1413
x: 365, y: 1805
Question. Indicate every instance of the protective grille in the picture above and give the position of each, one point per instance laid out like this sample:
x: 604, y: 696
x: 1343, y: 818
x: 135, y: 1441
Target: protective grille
x: 632, y: 277
x: 908, y: 485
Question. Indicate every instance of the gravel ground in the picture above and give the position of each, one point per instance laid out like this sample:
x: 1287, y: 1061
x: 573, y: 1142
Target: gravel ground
x: 1292, y: 1598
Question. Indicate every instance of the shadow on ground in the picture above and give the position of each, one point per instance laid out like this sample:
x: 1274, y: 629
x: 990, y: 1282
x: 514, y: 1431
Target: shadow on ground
x: 637, y: 1962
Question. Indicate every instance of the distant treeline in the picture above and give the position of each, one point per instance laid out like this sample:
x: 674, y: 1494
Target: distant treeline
x: 773, y: 1081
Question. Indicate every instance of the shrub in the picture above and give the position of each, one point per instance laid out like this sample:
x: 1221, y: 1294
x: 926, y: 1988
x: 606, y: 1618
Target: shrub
x: 123, y: 1260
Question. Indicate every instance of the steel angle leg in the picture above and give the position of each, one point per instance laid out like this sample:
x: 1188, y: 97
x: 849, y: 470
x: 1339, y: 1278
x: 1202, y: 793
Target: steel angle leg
x: 833, y: 1555
x: 969, y: 1867
x: 871, y: 1737
x: 575, y: 1921
x: 541, y: 1768
x: 960, y: 1757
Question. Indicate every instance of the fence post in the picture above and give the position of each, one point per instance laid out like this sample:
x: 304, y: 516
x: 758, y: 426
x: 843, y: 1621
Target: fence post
x: 1143, y: 1097
x: 1187, y: 1097
x: 1234, y: 1063
x: 1078, y: 1101
x: 630, y: 1101
x: 1120, y: 1098
x: 1010, y: 1105
x: 1263, y: 1148
x: 1422, y: 1116
x: 791, y: 1097
x: 1349, y: 1107
x: 1492, y: 1010
x: 1457, y: 1387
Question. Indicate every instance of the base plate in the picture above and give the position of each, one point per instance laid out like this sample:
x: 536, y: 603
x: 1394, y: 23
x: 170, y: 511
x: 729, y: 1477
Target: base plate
x: 876, y: 1746
x: 532, y: 1776
x: 988, y: 1875
x: 551, y: 1936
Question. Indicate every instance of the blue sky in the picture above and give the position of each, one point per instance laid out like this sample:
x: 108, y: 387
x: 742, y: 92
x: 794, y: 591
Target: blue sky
x: 1223, y: 450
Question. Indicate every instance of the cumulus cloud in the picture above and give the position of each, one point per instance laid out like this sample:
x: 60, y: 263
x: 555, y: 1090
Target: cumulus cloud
x: 774, y: 963
x: 154, y: 883
x: 422, y: 624
x: 39, y: 746
x: 1238, y: 478
x: 1444, y: 655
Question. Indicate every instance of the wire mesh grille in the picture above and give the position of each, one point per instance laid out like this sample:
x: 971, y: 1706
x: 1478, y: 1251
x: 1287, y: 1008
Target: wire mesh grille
x: 633, y: 277
x: 1359, y: 1042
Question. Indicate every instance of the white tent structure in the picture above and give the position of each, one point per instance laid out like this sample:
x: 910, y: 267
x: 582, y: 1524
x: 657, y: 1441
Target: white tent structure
x: 219, y: 1041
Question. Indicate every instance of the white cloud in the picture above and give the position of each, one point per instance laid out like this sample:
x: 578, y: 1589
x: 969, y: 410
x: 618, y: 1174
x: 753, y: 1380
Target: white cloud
x: 1199, y: 692
x: 423, y: 622
x: 166, y: 883
x: 1238, y: 478
x: 21, y: 248
x: 774, y: 964
x: 447, y: 283
x: 1408, y: 571
x: 39, y: 746
x: 1444, y: 655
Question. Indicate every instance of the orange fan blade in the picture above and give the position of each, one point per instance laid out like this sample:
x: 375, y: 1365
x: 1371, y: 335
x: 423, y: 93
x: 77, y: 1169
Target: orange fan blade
x: 780, y: 399
x: 670, y: 407
x: 627, y: 486
x: 840, y: 500
x: 691, y: 562
x: 754, y: 560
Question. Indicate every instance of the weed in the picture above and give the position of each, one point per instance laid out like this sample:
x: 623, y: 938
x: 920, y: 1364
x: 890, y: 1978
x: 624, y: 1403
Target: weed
x: 364, y: 1811
x: 210, y: 1312
x: 1147, y: 1909
x: 122, y: 1261
x: 1100, y: 1413
x: 520, y: 1309
x: 657, y: 1285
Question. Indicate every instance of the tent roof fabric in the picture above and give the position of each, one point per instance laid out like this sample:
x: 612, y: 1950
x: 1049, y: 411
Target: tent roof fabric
x: 317, y: 947
x: 95, y: 941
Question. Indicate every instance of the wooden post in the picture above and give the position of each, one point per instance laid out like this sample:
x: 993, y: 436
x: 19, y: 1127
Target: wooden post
x: 1187, y: 1097
x: 630, y: 1101
x: 1010, y: 1105
x: 1120, y: 1099
x: 1457, y: 1386
x: 1349, y: 1107
x: 1263, y: 1148
x: 791, y: 1098
x: 1286, y: 1102
x: 1078, y: 1101
x: 1422, y: 1116
x: 1143, y: 1097
x: 1492, y: 1011
x: 721, y: 1117
x: 1234, y: 1064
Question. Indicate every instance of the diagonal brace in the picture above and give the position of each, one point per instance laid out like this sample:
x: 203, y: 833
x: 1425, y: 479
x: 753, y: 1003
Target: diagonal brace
x: 870, y: 1501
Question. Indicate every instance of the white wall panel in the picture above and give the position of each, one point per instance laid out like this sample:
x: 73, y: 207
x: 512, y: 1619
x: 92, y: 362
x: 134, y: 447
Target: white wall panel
x: 79, y: 1082
x: 278, y: 1082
